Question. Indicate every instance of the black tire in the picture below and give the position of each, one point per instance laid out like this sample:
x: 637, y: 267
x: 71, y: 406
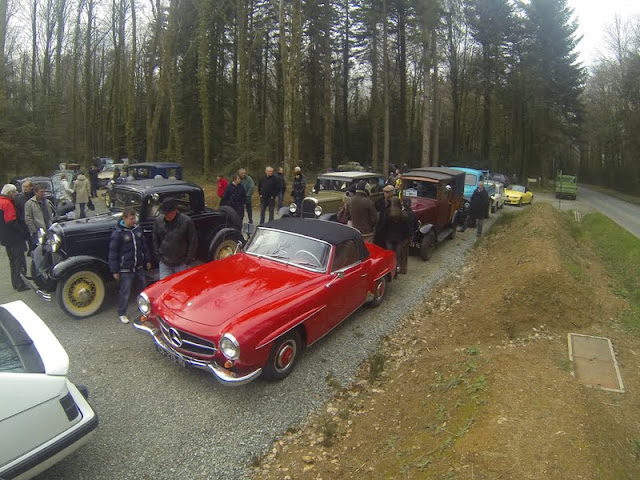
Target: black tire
x: 493, y: 208
x: 531, y: 201
x: 454, y: 231
x: 283, y: 357
x: 520, y: 202
x: 81, y: 293
x: 427, y: 246
x: 378, y: 296
x: 234, y: 219
x: 226, y: 246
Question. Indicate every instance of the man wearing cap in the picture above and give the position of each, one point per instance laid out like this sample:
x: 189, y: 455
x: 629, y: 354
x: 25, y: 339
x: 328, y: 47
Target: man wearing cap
x: 299, y: 185
x: 175, y: 240
x: 362, y: 213
x: 12, y: 236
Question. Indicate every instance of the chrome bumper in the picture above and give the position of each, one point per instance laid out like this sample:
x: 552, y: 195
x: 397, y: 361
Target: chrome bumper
x: 223, y: 375
x: 29, y: 283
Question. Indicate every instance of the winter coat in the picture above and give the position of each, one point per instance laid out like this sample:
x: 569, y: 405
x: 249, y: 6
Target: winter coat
x: 395, y: 231
x: 281, y: 181
x: 235, y: 197
x: 479, y: 205
x: 249, y: 186
x: 128, y: 250
x: 82, y: 189
x: 65, y: 191
x: 175, y: 242
x: 222, y: 186
x: 34, y: 217
x: 269, y: 187
x: 362, y: 213
x: 11, y: 232
x: 298, y: 189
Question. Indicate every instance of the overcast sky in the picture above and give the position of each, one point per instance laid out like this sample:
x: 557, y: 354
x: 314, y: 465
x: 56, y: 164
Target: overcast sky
x: 593, y: 16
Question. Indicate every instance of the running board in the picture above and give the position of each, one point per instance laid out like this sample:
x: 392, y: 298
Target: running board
x: 444, y: 234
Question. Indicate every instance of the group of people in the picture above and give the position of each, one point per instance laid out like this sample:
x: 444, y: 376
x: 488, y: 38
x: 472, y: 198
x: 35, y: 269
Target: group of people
x: 239, y: 193
x: 174, y: 240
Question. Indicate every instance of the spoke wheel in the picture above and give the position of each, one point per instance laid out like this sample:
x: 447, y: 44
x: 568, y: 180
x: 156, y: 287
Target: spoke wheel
x: 284, y: 355
x: 81, y: 293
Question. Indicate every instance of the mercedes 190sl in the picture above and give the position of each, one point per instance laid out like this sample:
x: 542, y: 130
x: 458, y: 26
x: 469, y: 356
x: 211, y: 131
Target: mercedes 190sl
x: 253, y: 313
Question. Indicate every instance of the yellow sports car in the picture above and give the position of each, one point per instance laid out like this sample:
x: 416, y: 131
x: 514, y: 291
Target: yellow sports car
x: 517, y: 195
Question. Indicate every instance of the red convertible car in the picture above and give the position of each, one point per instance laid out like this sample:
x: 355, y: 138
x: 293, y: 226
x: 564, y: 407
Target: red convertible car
x: 253, y: 313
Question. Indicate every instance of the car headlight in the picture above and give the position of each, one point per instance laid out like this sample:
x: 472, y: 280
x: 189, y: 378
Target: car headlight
x: 317, y: 211
x: 144, y: 305
x: 467, y: 204
x: 229, y: 347
x: 55, y: 242
x: 293, y: 208
x: 42, y: 236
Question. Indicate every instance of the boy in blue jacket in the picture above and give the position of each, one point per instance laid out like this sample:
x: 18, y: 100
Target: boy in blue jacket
x: 128, y: 255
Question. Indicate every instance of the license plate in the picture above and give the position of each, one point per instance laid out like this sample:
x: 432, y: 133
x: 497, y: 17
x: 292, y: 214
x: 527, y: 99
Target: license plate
x: 173, y: 357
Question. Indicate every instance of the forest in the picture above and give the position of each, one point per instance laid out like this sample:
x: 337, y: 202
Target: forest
x: 220, y: 84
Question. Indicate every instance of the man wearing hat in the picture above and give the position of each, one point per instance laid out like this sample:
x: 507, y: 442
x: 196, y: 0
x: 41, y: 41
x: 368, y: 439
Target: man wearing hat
x: 12, y: 236
x: 175, y: 240
x: 362, y: 213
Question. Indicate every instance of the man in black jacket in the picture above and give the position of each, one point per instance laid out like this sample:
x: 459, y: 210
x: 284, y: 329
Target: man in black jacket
x: 175, y: 241
x: 235, y: 196
x: 268, y: 189
x: 298, y: 189
x: 478, y: 208
x: 283, y: 186
x: 128, y: 256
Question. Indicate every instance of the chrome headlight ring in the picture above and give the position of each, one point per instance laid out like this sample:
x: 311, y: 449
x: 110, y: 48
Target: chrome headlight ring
x: 229, y: 346
x: 317, y: 211
x: 144, y: 305
x: 293, y: 208
x: 55, y: 242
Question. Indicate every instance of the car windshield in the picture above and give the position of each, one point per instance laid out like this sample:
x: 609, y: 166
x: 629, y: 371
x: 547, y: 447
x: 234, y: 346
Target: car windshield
x: 470, y: 179
x: 336, y: 185
x: 517, y: 188
x: 290, y: 248
x: 416, y: 188
x: 126, y: 198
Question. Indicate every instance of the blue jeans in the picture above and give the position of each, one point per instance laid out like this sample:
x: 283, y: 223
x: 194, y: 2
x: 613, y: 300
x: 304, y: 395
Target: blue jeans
x: 126, y: 282
x: 82, y: 213
x: 280, y: 199
x: 166, y: 270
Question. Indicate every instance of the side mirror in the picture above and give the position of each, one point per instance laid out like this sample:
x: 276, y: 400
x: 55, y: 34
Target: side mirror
x: 448, y: 187
x: 340, y: 274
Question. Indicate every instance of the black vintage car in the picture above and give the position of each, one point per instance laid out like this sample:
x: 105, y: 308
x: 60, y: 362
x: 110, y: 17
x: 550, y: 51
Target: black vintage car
x: 71, y: 261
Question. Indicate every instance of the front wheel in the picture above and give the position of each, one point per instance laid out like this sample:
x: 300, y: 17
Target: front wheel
x: 81, y: 293
x: 225, y: 247
x: 520, y: 202
x: 378, y: 295
x: 284, y: 356
x: 427, y: 246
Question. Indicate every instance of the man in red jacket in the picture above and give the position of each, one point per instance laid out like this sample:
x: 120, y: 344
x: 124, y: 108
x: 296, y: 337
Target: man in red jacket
x: 222, y: 186
x: 12, y: 236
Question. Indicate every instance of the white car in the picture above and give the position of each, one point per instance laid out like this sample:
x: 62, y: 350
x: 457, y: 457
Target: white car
x: 43, y: 416
x: 497, y: 199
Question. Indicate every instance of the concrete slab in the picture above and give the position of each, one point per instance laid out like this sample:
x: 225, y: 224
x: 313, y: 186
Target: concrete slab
x: 594, y: 363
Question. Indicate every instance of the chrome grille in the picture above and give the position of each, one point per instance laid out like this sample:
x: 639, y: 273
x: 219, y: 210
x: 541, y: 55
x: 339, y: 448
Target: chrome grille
x: 308, y: 208
x: 190, y: 343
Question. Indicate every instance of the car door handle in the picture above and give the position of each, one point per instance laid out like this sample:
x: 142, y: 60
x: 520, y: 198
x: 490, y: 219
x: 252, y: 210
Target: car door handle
x: 364, y: 274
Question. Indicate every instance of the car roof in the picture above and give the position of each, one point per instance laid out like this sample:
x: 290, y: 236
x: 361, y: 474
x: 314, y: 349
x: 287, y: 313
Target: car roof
x: 432, y: 173
x: 474, y: 171
x: 155, y: 164
x: 345, y: 175
x: 163, y: 184
x: 330, y: 232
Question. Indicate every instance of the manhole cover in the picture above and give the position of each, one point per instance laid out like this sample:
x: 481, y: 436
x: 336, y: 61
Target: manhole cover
x: 594, y: 362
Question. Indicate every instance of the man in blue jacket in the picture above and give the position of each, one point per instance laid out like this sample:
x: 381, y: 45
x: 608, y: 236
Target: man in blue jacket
x: 128, y: 255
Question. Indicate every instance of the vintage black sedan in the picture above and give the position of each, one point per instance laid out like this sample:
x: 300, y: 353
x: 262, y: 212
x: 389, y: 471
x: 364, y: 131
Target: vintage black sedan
x: 71, y: 261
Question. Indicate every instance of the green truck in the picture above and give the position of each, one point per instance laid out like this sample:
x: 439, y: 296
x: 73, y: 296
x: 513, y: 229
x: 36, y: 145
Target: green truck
x: 566, y: 186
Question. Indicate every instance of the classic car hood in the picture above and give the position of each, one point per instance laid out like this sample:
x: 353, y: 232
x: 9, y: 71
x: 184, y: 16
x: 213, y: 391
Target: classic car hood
x: 219, y: 291
x: 513, y: 193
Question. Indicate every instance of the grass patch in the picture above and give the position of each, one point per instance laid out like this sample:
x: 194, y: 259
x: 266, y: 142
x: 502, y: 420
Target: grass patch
x: 620, y: 251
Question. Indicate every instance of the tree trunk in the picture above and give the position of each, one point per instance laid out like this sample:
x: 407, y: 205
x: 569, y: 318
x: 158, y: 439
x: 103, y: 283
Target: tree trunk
x: 327, y: 92
x: 385, y: 85
x: 204, y: 63
x: 131, y: 89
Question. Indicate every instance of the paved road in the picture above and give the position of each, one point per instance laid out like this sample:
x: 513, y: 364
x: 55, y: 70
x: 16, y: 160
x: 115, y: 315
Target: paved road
x: 625, y: 214
x: 163, y: 422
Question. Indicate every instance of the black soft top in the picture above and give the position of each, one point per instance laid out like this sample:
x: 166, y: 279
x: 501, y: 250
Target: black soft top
x: 330, y: 232
x: 152, y: 185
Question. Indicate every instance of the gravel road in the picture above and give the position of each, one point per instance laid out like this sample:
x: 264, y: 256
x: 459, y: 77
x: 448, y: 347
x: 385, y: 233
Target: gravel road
x: 163, y: 422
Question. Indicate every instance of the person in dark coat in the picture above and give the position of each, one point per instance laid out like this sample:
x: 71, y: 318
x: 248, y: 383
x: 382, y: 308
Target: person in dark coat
x: 382, y: 204
x: 283, y: 186
x: 268, y: 189
x: 175, y: 240
x: 235, y: 196
x: 93, y: 178
x: 13, y: 236
x: 396, y: 231
x: 413, y: 228
x: 128, y: 256
x: 24, y: 197
x: 362, y: 213
x: 299, y: 186
x: 478, y: 208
